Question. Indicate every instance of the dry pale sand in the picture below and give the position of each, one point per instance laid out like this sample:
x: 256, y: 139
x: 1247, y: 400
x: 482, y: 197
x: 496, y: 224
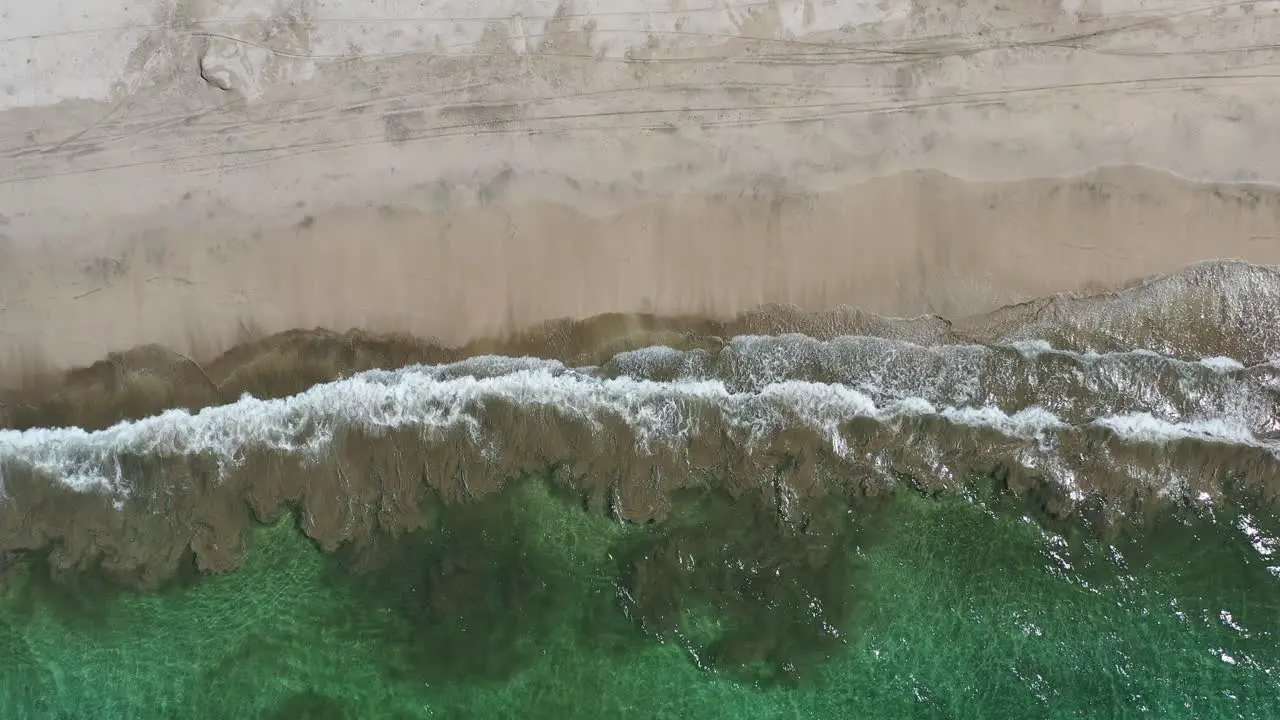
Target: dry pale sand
x: 938, y: 160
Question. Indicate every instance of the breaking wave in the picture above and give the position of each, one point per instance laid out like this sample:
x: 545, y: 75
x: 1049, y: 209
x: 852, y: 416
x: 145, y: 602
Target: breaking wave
x: 1168, y: 391
x: 753, y: 390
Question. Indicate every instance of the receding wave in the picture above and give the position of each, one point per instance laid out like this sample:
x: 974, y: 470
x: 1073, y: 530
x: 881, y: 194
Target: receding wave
x: 1168, y: 391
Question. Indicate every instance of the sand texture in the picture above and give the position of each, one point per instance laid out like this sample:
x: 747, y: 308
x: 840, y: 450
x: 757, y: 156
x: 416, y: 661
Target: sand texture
x: 902, y: 158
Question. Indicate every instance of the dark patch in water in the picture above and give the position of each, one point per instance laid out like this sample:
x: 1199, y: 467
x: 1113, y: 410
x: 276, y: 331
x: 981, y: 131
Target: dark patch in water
x: 310, y: 705
x: 478, y: 598
x: 765, y: 601
x: 82, y: 593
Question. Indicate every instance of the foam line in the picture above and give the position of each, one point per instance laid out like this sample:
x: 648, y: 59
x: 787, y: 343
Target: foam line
x: 436, y: 398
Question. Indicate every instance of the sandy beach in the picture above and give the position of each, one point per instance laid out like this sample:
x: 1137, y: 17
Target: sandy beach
x: 918, y: 158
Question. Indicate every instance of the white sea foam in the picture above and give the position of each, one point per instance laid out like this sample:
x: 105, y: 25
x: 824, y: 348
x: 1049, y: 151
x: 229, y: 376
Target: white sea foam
x: 1086, y: 386
x: 1222, y: 364
x: 438, y: 398
x: 1142, y: 427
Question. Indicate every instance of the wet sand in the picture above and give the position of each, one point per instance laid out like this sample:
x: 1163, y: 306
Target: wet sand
x: 913, y: 244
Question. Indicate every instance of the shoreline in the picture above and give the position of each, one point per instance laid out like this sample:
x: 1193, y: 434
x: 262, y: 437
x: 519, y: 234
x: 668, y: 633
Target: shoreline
x: 574, y: 183
x: 776, y: 416
x: 148, y: 379
x: 905, y: 246
x: 694, y: 358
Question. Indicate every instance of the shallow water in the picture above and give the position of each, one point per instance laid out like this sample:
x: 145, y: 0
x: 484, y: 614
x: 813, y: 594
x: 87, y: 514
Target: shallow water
x: 948, y: 608
x: 1076, y: 518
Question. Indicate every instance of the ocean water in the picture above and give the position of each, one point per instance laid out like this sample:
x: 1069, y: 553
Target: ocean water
x: 951, y: 611
x: 1071, y: 516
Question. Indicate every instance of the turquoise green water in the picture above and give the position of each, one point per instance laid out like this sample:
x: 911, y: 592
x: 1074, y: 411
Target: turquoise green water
x: 919, y: 607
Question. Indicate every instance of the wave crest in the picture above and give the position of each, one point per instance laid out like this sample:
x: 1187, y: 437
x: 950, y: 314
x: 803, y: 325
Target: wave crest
x: 149, y: 457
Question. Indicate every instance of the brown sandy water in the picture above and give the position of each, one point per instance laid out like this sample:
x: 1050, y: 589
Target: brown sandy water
x: 738, y: 487
x: 629, y: 409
